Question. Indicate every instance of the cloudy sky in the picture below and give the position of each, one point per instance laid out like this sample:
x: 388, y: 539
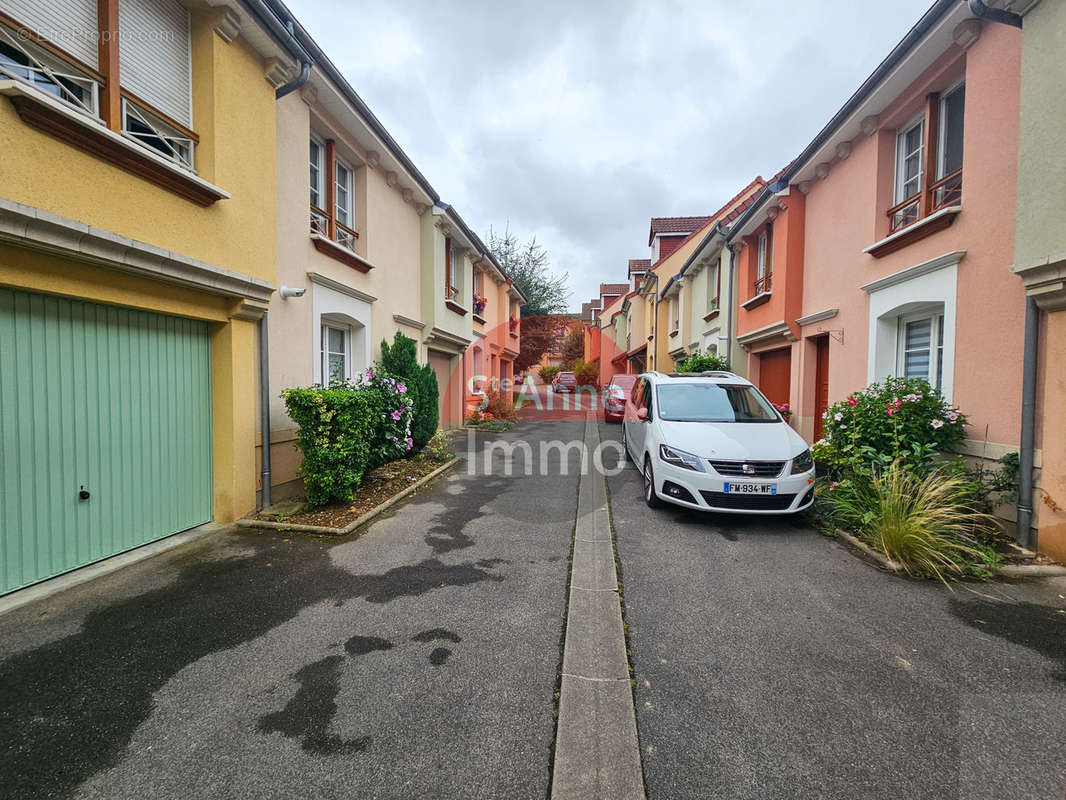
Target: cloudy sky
x: 579, y: 120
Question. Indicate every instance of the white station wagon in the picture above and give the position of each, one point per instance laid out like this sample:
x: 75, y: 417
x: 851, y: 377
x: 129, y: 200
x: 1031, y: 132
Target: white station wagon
x: 713, y: 442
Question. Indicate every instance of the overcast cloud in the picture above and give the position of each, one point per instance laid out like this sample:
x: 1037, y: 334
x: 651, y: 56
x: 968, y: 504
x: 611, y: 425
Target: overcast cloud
x: 578, y: 121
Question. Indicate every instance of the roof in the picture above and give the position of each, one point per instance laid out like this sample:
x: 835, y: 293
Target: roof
x: 639, y: 265
x: 681, y: 225
x: 610, y: 289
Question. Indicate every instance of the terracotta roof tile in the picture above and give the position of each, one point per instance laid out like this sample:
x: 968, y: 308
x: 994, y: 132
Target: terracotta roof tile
x: 685, y: 225
x: 639, y: 265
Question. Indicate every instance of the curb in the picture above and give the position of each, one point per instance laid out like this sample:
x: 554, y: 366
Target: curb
x: 1008, y: 571
x: 597, y: 753
x: 360, y: 520
x: 880, y: 558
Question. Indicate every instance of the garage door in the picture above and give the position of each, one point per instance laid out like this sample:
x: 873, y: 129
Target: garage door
x: 775, y: 369
x: 102, y: 400
x: 449, y: 388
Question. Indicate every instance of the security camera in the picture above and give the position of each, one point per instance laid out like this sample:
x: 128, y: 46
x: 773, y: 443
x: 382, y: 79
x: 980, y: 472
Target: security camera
x: 288, y: 292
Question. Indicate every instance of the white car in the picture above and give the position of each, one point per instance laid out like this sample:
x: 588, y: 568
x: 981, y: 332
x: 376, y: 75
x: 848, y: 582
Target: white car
x: 713, y: 442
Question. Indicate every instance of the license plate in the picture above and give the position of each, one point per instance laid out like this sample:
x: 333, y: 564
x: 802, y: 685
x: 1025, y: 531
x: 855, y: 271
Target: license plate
x: 751, y: 488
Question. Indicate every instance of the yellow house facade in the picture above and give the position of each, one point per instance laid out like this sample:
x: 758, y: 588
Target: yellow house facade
x: 137, y: 252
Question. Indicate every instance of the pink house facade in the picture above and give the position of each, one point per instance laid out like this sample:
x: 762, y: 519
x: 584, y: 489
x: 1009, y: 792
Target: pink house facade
x: 885, y: 248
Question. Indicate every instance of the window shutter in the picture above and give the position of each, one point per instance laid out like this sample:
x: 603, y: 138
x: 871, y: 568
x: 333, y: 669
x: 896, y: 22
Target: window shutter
x: 68, y: 24
x: 154, y: 55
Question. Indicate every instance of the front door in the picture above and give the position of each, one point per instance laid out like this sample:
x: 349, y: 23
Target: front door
x: 775, y: 367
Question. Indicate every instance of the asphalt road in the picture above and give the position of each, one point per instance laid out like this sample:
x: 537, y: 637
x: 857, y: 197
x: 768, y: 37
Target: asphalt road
x: 416, y: 660
x: 772, y: 663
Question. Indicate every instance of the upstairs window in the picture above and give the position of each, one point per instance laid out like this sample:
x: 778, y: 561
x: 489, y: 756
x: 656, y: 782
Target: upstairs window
x: 929, y: 159
x: 764, y: 265
x: 22, y: 60
x: 909, y: 160
x: 332, y: 194
x: 714, y: 278
x: 451, y: 291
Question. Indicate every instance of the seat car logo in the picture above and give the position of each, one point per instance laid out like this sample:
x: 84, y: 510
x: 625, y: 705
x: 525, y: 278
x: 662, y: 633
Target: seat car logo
x: 747, y: 469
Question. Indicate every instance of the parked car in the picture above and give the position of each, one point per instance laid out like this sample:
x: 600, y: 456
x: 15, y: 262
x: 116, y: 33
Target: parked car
x: 615, y: 396
x: 713, y: 442
x: 564, y: 382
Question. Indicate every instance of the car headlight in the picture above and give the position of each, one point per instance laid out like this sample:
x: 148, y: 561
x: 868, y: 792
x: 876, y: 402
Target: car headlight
x: 679, y: 458
x: 802, y: 463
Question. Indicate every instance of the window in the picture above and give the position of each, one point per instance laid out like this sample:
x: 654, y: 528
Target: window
x: 146, y: 128
x: 675, y: 313
x: 713, y: 402
x: 909, y: 160
x: 921, y: 348
x: 450, y: 289
x: 317, y: 151
x: 714, y: 279
x: 765, y: 260
x: 332, y: 204
x: 336, y: 358
x: 919, y: 191
x: 154, y: 55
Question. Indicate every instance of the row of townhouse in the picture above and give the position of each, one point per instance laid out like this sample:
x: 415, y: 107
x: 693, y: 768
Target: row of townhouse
x: 196, y: 212
x: 922, y: 233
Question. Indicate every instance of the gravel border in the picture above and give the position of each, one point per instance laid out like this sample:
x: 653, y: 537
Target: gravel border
x: 361, y: 520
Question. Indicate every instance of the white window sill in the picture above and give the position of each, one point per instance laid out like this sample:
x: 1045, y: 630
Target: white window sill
x: 936, y: 221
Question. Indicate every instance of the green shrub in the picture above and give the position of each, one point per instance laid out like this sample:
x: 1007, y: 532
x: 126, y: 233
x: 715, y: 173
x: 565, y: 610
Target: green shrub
x: 926, y: 523
x: 901, y: 418
x: 702, y: 362
x: 333, y: 434
x: 439, y: 448
x: 401, y: 360
x: 548, y: 373
x: 586, y: 372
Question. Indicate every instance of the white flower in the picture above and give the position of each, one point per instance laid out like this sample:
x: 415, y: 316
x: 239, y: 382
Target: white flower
x: 838, y: 416
x: 937, y: 423
x: 953, y: 416
x: 825, y: 415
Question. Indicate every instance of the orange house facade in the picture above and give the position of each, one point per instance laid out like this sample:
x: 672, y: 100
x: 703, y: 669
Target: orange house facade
x: 885, y: 248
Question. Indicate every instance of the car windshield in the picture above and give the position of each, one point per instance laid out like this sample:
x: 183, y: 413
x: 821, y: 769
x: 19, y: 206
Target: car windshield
x: 713, y: 402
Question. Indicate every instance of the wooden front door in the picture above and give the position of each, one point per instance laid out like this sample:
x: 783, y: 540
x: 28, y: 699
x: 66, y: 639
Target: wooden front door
x: 821, y: 385
x: 775, y: 367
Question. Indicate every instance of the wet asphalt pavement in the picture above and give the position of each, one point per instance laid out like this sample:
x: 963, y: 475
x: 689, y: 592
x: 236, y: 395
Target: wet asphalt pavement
x: 419, y: 659
x: 773, y: 663
x: 416, y: 660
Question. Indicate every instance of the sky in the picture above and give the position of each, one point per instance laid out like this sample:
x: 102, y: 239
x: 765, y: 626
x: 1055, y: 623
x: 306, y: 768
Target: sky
x: 578, y: 121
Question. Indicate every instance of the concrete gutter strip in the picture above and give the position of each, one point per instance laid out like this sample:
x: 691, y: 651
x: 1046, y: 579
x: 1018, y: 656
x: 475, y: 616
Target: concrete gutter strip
x: 596, y: 751
x: 879, y: 557
x: 351, y: 526
x: 44, y: 589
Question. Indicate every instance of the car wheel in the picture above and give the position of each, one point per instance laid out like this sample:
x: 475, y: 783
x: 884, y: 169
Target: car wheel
x: 650, y: 497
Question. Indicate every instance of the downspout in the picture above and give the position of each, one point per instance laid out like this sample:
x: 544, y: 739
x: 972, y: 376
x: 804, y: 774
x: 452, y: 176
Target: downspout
x: 285, y: 33
x: 729, y: 299
x: 981, y: 11
x: 655, y: 323
x: 264, y: 406
x: 295, y: 83
x: 1025, y: 457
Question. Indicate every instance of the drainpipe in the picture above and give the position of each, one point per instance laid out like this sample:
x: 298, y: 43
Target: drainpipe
x: 981, y: 11
x: 1025, y: 457
x: 655, y: 322
x: 284, y: 30
x: 264, y: 405
x: 729, y: 299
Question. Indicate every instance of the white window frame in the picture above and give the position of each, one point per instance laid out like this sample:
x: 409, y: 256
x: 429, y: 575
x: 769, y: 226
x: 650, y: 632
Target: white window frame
x: 936, y: 344
x: 346, y: 332
x: 317, y: 186
x: 941, y: 135
x: 713, y: 301
x: 349, y: 213
x: 760, y: 266
x: 901, y: 158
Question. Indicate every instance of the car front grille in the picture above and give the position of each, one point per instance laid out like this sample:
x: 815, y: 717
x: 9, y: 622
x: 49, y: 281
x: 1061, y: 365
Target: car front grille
x: 757, y: 469
x: 749, y: 502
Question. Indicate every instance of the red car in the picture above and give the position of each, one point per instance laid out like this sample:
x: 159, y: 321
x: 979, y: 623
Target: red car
x: 564, y: 382
x: 614, y: 397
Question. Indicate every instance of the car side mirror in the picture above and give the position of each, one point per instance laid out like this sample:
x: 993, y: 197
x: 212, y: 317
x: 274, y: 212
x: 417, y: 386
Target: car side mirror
x: 642, y: 414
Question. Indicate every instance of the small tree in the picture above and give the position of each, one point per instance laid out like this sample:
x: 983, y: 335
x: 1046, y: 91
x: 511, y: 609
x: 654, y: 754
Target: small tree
x: 528, y: 266
x: 401, y: 359
x: 573, y: 346
x: 538, y: 333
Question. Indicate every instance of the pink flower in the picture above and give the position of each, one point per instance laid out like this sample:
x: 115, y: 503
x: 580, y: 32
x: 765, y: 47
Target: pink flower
x: 401, y: 388
x: 396, y: 415
x: 852, y: 401
x: 953, y: 416
x: 891, y: 409
x: 937, y: 423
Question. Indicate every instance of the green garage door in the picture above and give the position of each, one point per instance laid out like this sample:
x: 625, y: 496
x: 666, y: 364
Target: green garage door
x: 105, y: 400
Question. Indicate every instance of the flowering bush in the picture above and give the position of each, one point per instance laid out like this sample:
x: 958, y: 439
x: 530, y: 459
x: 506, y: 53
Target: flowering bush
x: 479, y: 303
x: 902, y: 418
x: 347, y: 429
x: 783, y: 410
x: 401, y: 361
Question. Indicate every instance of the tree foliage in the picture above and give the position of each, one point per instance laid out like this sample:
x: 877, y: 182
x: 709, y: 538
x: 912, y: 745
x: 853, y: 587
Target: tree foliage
x: 573, y: 346
x: 401, y: 359
x: 538, y: 334
x: 528, y: 265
